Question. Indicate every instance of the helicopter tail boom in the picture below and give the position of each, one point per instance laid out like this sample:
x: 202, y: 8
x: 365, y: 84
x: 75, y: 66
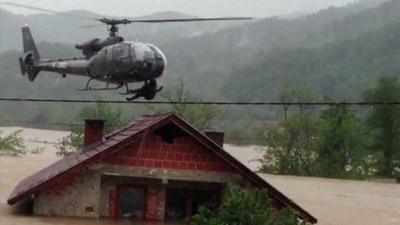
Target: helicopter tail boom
x: 31, y: 58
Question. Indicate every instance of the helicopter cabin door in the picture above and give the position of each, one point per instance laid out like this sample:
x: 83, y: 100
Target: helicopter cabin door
x: 120, y: 58
x: 121, y: 53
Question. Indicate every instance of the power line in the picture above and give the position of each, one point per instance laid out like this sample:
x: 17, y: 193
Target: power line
x: 42, y: 123
x: 69, y: 125
x: 261, y: 103
x: 58, y: 124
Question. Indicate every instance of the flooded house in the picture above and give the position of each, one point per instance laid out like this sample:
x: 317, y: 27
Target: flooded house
x: 157, y: 168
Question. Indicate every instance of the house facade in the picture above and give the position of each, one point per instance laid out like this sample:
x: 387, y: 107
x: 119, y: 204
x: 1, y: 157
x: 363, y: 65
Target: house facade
x: 158, y: 168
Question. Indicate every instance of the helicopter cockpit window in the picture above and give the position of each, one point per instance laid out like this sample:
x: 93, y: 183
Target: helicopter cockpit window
x: 156, y: 53
x: 121, y: 51
x: 149, y: 53
x: 142, y: 51
x: 133, y: 53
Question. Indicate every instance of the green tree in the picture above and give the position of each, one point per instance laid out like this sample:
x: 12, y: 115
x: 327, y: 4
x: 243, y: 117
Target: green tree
x: 384, y: 120
x: 245, y: 207
x: 112, y: 115
x: 291, y: 143
x: 342, y: 144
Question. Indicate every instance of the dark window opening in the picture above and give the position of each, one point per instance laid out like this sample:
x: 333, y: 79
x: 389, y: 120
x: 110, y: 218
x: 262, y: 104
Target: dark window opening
x: 24, y: 207
x: 184, y: 203
x: 175, y: 207
x: 169, y: 132
x: 206, y: 198
x: 132, y: 202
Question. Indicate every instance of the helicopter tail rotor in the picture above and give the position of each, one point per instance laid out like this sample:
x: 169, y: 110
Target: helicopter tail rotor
x: 29, y: 62
x: 27, y: 67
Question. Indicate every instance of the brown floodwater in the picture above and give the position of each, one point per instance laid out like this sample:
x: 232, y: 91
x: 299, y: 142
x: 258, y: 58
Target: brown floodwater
x: 8, y: 216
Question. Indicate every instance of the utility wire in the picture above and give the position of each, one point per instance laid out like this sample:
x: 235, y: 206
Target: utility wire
x: 198, y: 102
x: 50, y: 123
x: 58, y: 124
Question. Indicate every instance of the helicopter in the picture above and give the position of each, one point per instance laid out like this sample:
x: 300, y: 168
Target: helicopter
x: 112, y: 60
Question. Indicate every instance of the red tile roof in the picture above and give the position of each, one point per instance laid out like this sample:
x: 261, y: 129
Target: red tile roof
x: 120, y: 138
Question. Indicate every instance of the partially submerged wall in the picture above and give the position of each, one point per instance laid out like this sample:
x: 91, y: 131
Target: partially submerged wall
x: 80, y: 199
x: 86, y: 195
x: 114, y: 176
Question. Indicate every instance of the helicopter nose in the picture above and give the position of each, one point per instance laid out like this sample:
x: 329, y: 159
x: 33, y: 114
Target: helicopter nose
x: 160, y: 61
x: 150, y: 68
x: 164, y: 58
x: 149, y: 61
x: 159, y: 67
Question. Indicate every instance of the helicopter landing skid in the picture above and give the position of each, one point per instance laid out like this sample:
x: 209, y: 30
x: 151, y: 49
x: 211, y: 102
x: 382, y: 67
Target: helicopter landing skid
x: 129, y: 91
x: 107, y: 88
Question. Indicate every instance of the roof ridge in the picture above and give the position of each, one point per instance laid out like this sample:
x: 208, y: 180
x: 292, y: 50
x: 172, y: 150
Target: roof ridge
x: 135, y: 122
x: 158, y: 114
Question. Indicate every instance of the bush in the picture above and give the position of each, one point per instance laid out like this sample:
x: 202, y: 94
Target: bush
x: 244, y: 207
x: 74, y: 141
x: 69, y: 144
x: 12, y: 144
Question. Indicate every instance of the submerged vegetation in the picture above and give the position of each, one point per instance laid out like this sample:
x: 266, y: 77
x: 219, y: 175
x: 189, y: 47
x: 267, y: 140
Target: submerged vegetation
x: 384, y: 121
x: 246, y: 207
x: 12, y: 144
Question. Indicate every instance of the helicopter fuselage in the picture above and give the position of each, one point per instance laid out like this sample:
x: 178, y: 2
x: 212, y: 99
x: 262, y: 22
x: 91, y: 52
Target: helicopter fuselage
x: 120, y: 63
x: 116, y: 62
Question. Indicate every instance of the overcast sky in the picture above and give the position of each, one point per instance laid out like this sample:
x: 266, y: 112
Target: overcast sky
x: 133, y: 8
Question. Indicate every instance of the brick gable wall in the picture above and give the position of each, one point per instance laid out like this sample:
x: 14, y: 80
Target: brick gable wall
x: 186, y: 153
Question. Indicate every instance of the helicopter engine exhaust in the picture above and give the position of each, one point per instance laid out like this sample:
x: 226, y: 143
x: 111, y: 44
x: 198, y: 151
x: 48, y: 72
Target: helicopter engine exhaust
x: 90, y: 48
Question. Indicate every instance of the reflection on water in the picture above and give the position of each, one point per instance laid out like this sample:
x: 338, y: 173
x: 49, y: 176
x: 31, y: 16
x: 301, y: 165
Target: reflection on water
x: 8, y: 217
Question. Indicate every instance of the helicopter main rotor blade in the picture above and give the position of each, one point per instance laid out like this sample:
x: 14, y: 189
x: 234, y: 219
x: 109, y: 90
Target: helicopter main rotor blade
x: 18, y: 5
x: 116, y: 21
x: 186, y: 20
x: 91, y: 25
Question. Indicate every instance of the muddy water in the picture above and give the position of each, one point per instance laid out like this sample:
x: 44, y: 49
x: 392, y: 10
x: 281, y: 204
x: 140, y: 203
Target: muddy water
x: 333, y: 202
x: 8, y: 217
